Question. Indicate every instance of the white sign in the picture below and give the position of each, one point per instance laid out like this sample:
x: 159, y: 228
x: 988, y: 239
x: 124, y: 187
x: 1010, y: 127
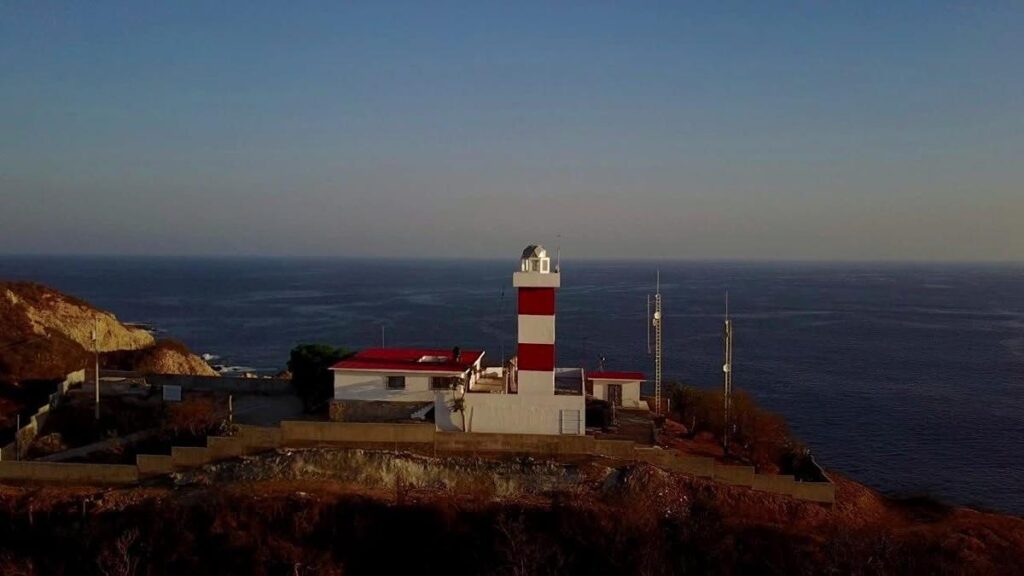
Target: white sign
x: 172, y: 393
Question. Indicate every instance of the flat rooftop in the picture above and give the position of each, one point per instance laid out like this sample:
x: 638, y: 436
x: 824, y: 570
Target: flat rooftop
x: 410, y: 360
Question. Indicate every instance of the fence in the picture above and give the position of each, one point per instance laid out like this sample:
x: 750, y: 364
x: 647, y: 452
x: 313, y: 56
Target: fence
x: 422, y: 437
x: 24, y: 436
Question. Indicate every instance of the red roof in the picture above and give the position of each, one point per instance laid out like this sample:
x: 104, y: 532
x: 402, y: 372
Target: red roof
x: 615, y: 376
x: 409, y: 360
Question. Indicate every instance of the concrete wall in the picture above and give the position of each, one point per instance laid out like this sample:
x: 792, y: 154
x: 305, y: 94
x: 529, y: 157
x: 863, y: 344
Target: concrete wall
x: 153, y: 465
x: 226, y: 384
x: 68, y: 473
x: 513, y: 443
x: 355, y: 434
x: 373, y: 410
x: 824, y: 492
x: 24, y: 436
x: 516, y: 413
x: 735, y: 475
x: 258, y: 438
x: 423, y: 437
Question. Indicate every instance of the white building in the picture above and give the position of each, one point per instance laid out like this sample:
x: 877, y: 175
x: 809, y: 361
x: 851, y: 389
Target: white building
x: 620, y: 389
x: 404, y: 374
x: 518, y: 398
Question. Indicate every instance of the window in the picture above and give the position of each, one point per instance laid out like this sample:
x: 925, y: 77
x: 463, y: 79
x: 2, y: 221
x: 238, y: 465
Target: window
x: 444, y: 382
x: 396, y: 382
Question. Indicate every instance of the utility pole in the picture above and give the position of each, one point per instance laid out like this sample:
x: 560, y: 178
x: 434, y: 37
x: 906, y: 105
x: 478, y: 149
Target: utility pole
x: 96, y: 352
x: 727, y: 369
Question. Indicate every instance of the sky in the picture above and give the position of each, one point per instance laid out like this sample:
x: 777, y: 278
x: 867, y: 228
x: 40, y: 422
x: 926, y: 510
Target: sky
x: 676, y: 130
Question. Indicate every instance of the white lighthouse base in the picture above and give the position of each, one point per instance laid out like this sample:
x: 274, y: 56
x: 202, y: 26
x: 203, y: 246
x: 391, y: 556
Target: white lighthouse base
x: 516, y: 414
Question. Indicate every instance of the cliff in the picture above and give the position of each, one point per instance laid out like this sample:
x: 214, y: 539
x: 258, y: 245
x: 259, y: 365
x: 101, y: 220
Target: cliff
x: 48, y: 311
x: 44, y: 334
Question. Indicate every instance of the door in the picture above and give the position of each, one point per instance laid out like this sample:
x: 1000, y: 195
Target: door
x: 615, y: 394
x: 569, y: 422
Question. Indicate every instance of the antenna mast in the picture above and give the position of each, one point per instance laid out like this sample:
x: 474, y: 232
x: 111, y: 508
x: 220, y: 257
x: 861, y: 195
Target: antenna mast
x: 727, y: 369
x: 657, y: 345
x: 648, y: 329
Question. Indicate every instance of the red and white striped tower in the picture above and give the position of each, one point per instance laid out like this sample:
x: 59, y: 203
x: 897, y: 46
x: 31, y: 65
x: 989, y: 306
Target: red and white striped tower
x: 536, y: 283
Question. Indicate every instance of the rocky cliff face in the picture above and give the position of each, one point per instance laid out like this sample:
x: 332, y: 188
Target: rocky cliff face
x: 48, y: 311
x: 44, y: 334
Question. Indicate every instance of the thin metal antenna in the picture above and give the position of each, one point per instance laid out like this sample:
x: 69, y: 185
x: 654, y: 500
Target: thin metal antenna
x: 382, y: 336
x: 558, y: 254
x: 727, y: 338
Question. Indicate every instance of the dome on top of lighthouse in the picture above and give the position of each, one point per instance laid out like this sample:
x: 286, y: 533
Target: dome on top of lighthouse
x: 534, y: 251
x: 535, y: 259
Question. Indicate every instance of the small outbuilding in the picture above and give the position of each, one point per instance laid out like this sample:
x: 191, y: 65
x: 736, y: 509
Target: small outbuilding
x: 621, y: 389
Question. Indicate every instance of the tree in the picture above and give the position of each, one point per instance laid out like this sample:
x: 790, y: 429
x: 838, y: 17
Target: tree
x: 458, y: 404
x: 311, y: 375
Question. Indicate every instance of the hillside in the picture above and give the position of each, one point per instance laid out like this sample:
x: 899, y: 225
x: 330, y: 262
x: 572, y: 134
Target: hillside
x: 45, y: 334
x: 325, y: 512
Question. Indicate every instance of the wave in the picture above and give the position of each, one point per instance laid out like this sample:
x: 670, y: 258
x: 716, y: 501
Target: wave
x: 233, y: 369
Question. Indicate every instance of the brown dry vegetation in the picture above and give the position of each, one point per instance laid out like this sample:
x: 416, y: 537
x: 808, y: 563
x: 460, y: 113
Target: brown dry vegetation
x: 186, y: 423
x: 757, y: 436
x: 649, y: 523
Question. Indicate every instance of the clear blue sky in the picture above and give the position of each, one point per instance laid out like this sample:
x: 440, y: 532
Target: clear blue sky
x: 795, y: 130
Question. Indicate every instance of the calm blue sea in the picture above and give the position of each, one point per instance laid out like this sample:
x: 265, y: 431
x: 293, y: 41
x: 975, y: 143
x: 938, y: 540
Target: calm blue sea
x: 907, y: 377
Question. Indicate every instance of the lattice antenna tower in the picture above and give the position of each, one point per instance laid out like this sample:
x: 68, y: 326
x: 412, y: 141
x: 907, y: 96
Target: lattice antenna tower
x: 657, y: 322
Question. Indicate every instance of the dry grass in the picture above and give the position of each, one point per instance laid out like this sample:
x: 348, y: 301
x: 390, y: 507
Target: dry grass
x: 654, y: 523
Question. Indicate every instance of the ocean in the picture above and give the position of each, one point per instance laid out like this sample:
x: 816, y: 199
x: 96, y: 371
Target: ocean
x: 908, y: 377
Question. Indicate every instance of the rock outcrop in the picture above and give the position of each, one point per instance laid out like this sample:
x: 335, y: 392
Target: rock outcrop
x: 171, y: 357
x: 45, y: 334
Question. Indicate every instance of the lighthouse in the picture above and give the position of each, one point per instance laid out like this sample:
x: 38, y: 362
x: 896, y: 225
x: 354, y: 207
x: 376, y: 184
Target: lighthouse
x: 536, y: 283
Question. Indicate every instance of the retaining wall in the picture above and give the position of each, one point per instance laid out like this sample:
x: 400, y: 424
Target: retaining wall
x: 24, y: 436
x: 735, y: 475
x: 228, y: 384
x: 69, y: 473
x: 154, y: 464
x: 254, y: 439
x: 535, y: 444
x: 355, y: 434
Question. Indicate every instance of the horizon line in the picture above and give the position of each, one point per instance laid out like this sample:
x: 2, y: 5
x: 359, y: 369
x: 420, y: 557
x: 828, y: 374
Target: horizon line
x: 615, y: 259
